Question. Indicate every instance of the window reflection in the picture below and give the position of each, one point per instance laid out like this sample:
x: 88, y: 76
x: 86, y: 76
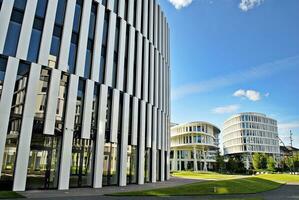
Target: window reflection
x: 6, y: 179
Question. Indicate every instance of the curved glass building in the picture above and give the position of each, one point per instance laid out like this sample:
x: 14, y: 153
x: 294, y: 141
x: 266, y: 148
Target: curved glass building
x: 250, y: 132
x: 194, y: 146
x: 84, y: 93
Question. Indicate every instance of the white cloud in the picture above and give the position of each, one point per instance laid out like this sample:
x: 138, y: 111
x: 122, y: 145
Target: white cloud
x: 246, y: 5
x: 229, y: 79
x: 267, y: 94
x: 226, y: 109
x: 288, y: 126
x: 178, y: 4
x: 252, y: 95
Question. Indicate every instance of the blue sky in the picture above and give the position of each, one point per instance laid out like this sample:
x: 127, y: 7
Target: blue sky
x: 230, y: 56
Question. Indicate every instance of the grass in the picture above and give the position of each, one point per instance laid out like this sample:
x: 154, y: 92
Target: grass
x: 9, y: 195
x: 229, y: 186
x: 282, y: 178
x: 204, y: 175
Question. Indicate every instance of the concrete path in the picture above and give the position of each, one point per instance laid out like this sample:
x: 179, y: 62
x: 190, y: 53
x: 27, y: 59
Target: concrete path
x: 87, y: 192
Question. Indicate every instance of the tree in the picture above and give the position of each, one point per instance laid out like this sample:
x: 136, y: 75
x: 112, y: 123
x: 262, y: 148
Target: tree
x: 271, y: 163
x: 256, y: 161
x: 220, y: 164
x: 289, y: 161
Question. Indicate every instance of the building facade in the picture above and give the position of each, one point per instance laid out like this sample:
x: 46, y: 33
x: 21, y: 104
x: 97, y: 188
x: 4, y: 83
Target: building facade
x: 250, y: 132
x: 84, y: 93
x: 194, y: 146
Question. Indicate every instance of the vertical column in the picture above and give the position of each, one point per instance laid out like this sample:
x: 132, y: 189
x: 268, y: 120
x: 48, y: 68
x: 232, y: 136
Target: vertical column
x: 5, y: 14
x: 151, y: 20
x: 145, y: 70
x: 67, y: 141
x: 154, y: 144
x: 114, y: 116
x: 50, y: 115
x: 22, y: 157
x: 138, y: 65
x: 26, y: 29
x: 121, y: 55
x: 100, y: 139
x: 145, y: 18
x: 134, y: 121
x: 162, y: 148
x: 141, y: 145
x: 204, y: 160
x: 121, y: 8
x: 131, y: 57
x: 151, y: 74
x: 6, y: 101
x: 156, y: 82
x: 87, y: 109
x: 45, y: 44
x: 195, y: 159
x: 175, y: 161
x: 138, y: 15
x: 149, y: 126
x: 130, y: 12
x: 124, y: 140
x: 110, y: 49
x: 159, y: 129
x: 83, y: 37
x: 66, y: 35
x: 97, y: 47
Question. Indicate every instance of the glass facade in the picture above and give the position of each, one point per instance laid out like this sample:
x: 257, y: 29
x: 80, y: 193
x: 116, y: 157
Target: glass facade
x: 65, y: 115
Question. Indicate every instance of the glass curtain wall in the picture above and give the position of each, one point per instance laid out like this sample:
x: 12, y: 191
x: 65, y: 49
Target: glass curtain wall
x: 15, y: 120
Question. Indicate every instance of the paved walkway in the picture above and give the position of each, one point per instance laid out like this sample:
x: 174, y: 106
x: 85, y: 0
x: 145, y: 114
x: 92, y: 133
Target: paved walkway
x: 87, y: 192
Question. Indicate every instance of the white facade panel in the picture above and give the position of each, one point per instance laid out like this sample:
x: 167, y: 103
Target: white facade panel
x: 22, y: 157
x: 53, y: 93
x: 154, y: 144
x: 141, y: 146
x: 124, y: 141
x: 145, y: 70
x: 46, y: 39
x: 134, y: 121
x: 83, y: 37
x: 5, y: 14
x: 67, y: 141
x: 114, y: 116
x: 6, y: 101
x: 26, y: 29
x: 110, y: 49
x: 87, y: 109
x: 97, y: 47
x: 138, y: 66
x: 100, y: 139
x: 121, y: 56
x: 131, y: 57
x: 149, y: 126
x: 66, y: 35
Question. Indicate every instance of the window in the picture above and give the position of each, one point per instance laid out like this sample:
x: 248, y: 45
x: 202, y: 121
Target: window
x: 3, y: 63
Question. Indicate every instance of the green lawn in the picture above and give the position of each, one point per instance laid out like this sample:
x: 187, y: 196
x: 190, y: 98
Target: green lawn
x: 282, y: 178
x: 204, y: 175
x: 9, y: 194
x: 229, y: 186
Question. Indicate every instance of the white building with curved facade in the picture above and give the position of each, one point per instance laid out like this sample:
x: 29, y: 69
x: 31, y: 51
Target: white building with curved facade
x: 84, y: 93
x: 194, y: 146
x: 250, y: 132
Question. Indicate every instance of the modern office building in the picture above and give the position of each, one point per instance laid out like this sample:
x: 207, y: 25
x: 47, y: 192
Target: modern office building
x: 250, y: 132
x: 194, y: 146
x: 84, y: 93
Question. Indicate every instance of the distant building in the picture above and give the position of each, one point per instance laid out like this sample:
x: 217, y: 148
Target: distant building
x: 250, y: 132
x: 194, y: 146
x: 288, y: 150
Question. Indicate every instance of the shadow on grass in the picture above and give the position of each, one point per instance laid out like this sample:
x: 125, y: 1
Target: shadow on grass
x: 9, y: 195
x: 248, y: 185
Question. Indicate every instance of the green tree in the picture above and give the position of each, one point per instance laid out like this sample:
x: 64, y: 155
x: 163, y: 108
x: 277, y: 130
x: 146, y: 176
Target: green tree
x: 271, y: 163
x: 289, y: 161
x: 220, y: 164
x: 256, y: 161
